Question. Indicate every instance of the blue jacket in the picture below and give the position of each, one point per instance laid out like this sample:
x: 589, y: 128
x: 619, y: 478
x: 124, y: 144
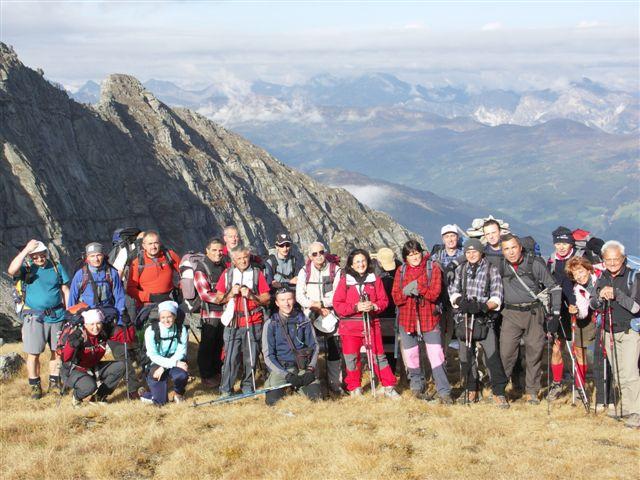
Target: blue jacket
x: 275, y: 347
x: 110, y: 294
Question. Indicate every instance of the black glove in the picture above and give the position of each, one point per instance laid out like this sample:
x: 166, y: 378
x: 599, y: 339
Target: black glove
x: 308, y: 377
x: 484, y: 308
x: 553, y: 324
x: 473, y: 307
x: 75, y: 339
x: 463, y: 304
x: 294, y: 379
x: 126, y: 319
x: 450, y: 273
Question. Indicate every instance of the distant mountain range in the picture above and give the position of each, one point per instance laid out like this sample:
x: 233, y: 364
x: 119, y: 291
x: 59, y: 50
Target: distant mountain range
x: 556, y: 156
x: 583, y: 101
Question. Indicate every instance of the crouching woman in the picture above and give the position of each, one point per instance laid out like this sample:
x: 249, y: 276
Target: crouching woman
x: 82, y: 365
x: 166, y: 344
x: 290, y: 350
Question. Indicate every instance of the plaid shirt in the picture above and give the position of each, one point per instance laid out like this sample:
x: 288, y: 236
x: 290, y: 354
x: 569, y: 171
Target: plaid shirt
x: 476, y: 285
x: 444, y: 259
x: 429, y: 292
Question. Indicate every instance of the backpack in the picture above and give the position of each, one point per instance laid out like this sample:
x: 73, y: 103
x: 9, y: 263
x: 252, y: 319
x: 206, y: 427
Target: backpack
x: 188, y: 264
x: 163, y: 251
x: 74, y: 321
x: 429, y: 268
x: 530, y: 245
x: 334, y: 263
x: 148, y: 316
x: 525, y: 269
x: 254, y: 282
x: 19, y: 291
x: 272, y: 260
x: 87, y: 279
x: 123, y: 238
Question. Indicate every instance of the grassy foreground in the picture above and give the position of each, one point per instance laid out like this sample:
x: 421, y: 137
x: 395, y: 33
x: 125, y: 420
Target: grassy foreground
x: 349, y: 438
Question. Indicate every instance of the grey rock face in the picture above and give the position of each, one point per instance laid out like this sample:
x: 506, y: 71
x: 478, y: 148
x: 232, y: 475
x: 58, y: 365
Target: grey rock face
x: 72, y: 173
x: 10, y: 364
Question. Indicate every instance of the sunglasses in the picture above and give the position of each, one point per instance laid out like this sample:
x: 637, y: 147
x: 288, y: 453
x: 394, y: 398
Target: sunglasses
x: 315, y: 254
x: 284, y: 245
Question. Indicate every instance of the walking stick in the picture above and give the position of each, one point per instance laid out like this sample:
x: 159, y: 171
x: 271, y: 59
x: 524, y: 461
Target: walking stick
x: 246, y: 317
x: 366, y: 323
x: 583, y: 396
x: 468, y: 341
x: 548, y: 335
x: 126, y: 359
x: 421, y: 341
x: 240, y: 396
x: 614, y: 349
x: 573, y: 363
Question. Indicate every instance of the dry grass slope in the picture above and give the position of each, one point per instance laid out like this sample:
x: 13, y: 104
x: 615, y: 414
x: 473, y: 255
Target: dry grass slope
x: 347, y: 439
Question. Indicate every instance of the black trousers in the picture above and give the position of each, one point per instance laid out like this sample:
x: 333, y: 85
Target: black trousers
x: 210, y: 348
x: 84, y: 383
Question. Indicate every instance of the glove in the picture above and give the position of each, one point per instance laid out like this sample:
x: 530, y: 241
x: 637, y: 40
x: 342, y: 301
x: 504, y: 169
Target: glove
x: 473, y: 307
x: 553, y: 324
x: 75, y: 339
x: 463, y: 305
x: 294, y: 379
x: 411, y: 289
x: 308, y: 377
x: 450, y: 273
x: 126, y: 319
x: 484, y: 308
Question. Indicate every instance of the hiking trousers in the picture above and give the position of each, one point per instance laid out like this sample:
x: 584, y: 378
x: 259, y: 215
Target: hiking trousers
x: 160, y: 388
x: 624, y: 362
x: 491, y: 359
x: 351, y: 345
x: 311, y: 391
x: 84, y: 384
x: 601, y: 370
x: 526, y: 325
x: 411, y: 357
x: 235, y: 345
x: 210, y: 348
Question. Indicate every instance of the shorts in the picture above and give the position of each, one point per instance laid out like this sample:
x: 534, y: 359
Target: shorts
x: 36, y: 335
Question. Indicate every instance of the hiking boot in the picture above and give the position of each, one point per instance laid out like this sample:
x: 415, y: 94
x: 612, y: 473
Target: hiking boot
x: 36, y: 391
x: 446, y: 399
x: 54, y: 384
x: 531, y: 399
x: 336, y: 390
x: 500, y: 401
x: 178, y: 398
x: 555, y: 390
x: 209, y: 383
x: 389, y: 392
x: 75, y: 402
x: 356, y: 393
x: 633, y: 421
x: 426, y: 396
x: 135, y: 395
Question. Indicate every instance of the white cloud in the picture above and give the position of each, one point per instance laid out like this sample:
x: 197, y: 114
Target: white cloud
x: 589, y: 24
x: 489, y: 27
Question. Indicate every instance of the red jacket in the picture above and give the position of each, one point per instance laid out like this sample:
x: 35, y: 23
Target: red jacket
x: 156, y: 277
x: 346, y: 297
x: 93, y: 351
x: 429, y: 291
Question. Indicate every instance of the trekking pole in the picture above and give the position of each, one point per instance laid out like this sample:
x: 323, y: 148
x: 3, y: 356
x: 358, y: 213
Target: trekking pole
x: 605, y: 393
x: 233, y: 398
x: 246, y: 316
x: 614, y: 349
x: 573, y: 363
x: 126, y: 359
x: 423, y: 367
x: 548, y: 335
x: 583, y: 394
x: 468, y: 341
x: 367, y: 340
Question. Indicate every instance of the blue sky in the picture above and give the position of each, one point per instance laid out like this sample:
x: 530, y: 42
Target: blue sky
x: 499, y: 44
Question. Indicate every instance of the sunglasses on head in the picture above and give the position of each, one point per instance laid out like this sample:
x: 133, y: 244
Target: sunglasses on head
x: 315, y: 254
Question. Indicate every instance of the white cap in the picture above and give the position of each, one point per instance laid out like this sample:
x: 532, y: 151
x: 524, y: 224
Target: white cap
x: 93, y: 316
x: 40, y: 247
x: 451, y: 228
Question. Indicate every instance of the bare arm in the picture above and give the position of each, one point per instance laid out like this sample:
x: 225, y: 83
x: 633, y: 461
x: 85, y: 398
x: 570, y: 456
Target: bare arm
x: 16, y: 263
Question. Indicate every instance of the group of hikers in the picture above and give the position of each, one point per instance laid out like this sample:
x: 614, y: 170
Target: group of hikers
x: 494, y: 292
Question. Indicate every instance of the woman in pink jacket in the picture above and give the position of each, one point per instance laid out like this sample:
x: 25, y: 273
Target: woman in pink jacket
x: 360, y: 292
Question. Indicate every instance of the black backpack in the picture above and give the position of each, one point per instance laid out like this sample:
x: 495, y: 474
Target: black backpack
x: 123, y: 238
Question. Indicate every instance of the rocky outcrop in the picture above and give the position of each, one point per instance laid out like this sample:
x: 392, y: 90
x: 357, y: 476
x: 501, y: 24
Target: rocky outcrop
x: 72, y: 173
x: 10, y: 364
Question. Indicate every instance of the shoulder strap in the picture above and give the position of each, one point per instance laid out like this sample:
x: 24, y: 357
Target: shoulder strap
x: 283, y: 324
x: 57, y: 270
x: 256, y: 278
x: 535, y: 297
x: 429, y: 270
x: 403, y: 270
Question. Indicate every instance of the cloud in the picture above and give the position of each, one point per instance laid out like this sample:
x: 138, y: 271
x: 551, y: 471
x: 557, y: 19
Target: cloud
x: 489, y: 27
x: 589, y: 24
x: 73, y: 43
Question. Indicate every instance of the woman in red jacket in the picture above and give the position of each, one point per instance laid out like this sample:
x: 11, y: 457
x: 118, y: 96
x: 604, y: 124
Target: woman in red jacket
x: 82, y: 364
x: 416, y: 289
x: 360, y: 292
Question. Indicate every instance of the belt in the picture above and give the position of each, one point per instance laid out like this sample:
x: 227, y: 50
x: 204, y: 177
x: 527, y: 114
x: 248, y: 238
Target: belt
x: 522, y: 307
x: 47, y: 312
